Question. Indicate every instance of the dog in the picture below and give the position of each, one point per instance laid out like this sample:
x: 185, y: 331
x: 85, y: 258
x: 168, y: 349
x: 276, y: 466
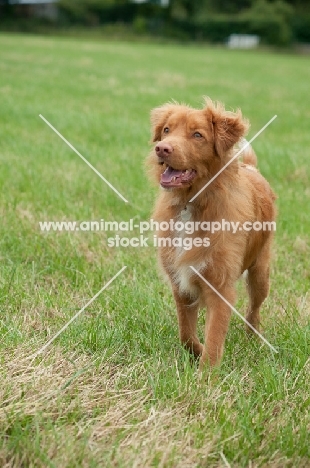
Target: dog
x: 194, y: 148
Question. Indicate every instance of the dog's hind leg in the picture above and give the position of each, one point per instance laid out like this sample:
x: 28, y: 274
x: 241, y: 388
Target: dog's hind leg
x: 187, y: 318
x: 258, y: 286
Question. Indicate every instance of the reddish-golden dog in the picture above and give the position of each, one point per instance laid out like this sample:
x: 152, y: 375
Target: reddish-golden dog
x: 191, y: 147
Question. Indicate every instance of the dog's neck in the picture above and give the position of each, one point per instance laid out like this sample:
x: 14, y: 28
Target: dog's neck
x: 186, y: 209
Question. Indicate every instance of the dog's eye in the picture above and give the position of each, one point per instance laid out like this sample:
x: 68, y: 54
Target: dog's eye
x: 197, y: 135
x: 166, y: 130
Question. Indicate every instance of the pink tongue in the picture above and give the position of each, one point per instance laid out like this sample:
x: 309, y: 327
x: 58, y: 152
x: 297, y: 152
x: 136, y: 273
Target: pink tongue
x: 169, y: 174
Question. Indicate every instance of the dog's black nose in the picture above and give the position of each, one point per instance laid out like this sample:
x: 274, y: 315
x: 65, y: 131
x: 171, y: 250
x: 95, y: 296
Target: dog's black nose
x: 163, y: 149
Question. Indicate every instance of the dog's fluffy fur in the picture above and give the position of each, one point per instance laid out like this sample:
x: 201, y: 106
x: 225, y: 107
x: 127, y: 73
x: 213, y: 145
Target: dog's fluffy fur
x: 191, y: 146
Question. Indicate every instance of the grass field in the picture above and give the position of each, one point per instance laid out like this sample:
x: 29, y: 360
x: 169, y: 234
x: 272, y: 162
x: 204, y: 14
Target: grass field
x: 116, y: 389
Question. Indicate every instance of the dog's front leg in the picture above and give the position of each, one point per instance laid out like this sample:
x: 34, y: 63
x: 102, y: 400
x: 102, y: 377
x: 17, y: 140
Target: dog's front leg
x: 187, y: 317
x: 217, y: 323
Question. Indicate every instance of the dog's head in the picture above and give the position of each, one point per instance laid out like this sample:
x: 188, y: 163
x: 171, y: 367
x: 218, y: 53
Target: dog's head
x: 191, y: 144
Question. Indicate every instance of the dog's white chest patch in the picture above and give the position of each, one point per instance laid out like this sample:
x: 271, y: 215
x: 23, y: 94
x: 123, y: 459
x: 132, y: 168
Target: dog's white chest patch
x: 179, y: 270
x: 183, y: 274
x: 184, y: 278
x: 186, y: 214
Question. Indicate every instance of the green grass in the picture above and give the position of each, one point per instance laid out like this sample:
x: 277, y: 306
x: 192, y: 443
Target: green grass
x: 116, y: 388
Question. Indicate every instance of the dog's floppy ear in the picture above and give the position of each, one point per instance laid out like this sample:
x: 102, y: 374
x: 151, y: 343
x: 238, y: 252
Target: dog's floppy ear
x: 159, y: 116
x: 227, y: 127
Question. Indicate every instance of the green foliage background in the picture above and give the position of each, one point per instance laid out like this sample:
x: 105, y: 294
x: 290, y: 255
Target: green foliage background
x: 277, y: 22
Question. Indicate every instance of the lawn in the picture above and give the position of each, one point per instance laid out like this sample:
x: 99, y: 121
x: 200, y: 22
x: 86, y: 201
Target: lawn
x: 116, y: 389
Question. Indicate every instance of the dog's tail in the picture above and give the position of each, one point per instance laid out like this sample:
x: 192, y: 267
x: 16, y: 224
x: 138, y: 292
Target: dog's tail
x: 247, y: 156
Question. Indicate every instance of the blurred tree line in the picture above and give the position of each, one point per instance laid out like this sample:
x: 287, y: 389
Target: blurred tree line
x: 277, y: 22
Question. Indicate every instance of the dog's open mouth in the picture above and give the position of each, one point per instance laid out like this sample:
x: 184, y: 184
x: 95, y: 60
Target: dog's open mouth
x: 176, y: 178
